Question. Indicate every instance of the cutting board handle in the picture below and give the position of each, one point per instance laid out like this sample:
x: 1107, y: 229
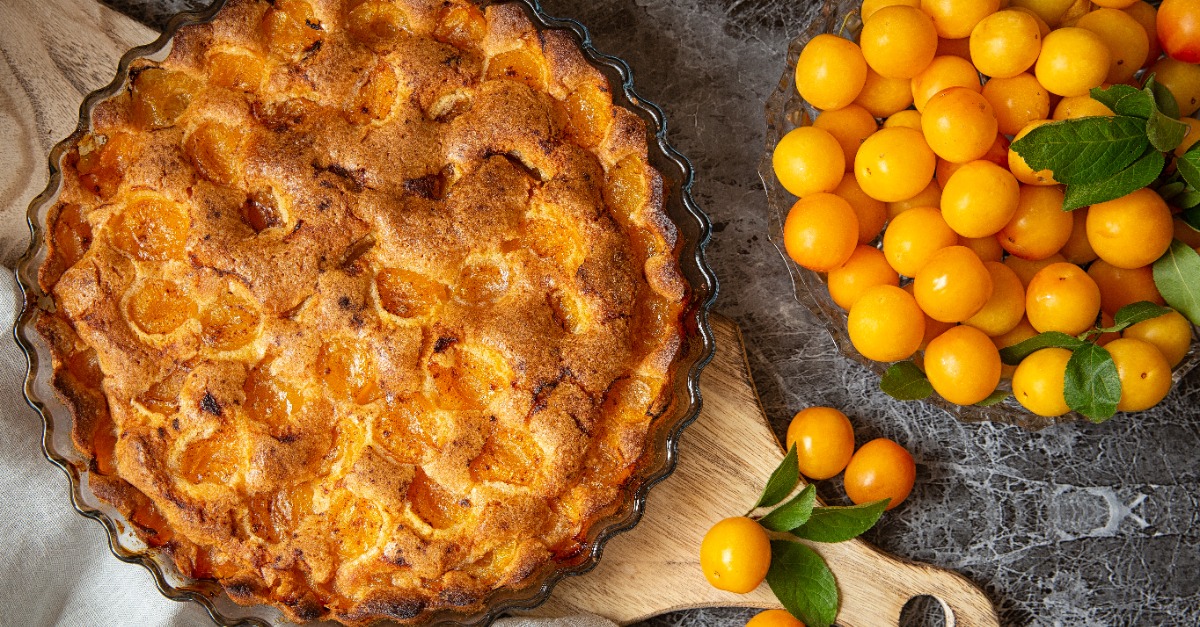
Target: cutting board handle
x: 875, y: 587
x: 878, y: 596
x: 964, y: 603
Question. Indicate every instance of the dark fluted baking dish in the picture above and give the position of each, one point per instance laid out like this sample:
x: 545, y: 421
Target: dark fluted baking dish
x: 694, y: 228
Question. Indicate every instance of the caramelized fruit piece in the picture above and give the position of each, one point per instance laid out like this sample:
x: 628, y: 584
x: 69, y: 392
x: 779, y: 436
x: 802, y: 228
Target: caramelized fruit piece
x: 482, y: 284
x: 230, y: 322
x: 291, y: 28
x: 375, y: 96
x: 208, y: 461
x: 163, y: 397
x: 408, y: 294
x: 72, y: 235
x: 274, y: 516
x: 402, y: 427
x: 495, y: 563
x: 104, y: 446
x: 236, y: 69
x: 210, y: 564
x: 292, y: 506
x: 465, y: 380
x: 280, y: 116
x: 85, y: 367
x: 377, y: 24
x: 590, y: 109
x: 519, y: 65
x: 160, y: 96
x: 433, y: 503
x: 270, y: 400
x: 461, y: 26
x: 160, y: 307
x: 507, y: 457
x: 653, y: 319
x: 152, y: 229
x: 349, y: 371
x: 261, y: 211
x: 568, y: 310
x: 629, y: 399
x: 147, y: 517
x: 627, y: 189
x: 202, y: 564
x: 270, y: 515
x: 569, y: 546
x: 554, y: 239
x: 648, y: 243
x: 356, y: 527
x: 103, y: 160
x: 482, y: 377
x: 214, y: 150
x: 606, y: 466
x: 347, y: 438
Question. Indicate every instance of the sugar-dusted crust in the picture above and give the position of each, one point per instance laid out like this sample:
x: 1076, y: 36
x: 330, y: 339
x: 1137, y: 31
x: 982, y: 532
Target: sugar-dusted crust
x: 363, y: 309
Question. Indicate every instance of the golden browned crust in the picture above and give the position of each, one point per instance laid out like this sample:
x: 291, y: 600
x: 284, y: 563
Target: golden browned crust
x: 363, y: 309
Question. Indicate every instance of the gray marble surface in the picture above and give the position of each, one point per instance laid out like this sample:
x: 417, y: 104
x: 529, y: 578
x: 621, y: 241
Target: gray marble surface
x: 1074, y: 525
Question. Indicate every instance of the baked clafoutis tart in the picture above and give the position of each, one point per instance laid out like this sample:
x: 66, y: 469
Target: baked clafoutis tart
x: 363, y: 309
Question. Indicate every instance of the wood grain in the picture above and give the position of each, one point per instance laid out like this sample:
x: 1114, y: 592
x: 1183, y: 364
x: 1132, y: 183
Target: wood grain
x: 56, y: 51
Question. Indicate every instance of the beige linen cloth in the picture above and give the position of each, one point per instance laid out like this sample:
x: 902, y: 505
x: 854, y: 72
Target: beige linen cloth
x: 55, y: 566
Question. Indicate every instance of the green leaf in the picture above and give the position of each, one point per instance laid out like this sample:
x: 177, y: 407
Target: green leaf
x: 1165, y: 133
x: 1172, y: 190
x: 1189, y: 167
x: 1177, y: 276
x: 839, y: 524
x: 1164, y: 100
x: 1084, y: 150
x: 1092, y: 386
x: 785, y: 479
x: 1134, y: 313
x: 803, y: 583
x: 1138, y: 175
x: 793, y: 513
x: 994, y: 398
x: 904, y: 381
x: 1189, y: 199
x: 1125, y: 100
x: 1128, y: 316
x: 1051, y: 339
x: 1191, y: 217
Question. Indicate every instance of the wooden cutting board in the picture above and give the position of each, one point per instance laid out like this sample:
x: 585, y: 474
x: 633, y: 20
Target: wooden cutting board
x: 55, y: 51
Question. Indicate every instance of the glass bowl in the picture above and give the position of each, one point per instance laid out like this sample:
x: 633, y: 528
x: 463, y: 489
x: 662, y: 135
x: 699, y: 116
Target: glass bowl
x: 786, y: 110
x: 657, y: 462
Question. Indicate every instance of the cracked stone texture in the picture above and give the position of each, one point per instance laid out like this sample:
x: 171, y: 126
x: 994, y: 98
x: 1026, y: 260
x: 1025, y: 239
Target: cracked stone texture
x: 1078, y: 524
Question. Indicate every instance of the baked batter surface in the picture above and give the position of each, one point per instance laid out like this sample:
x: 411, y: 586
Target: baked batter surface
x: 363, y: 309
